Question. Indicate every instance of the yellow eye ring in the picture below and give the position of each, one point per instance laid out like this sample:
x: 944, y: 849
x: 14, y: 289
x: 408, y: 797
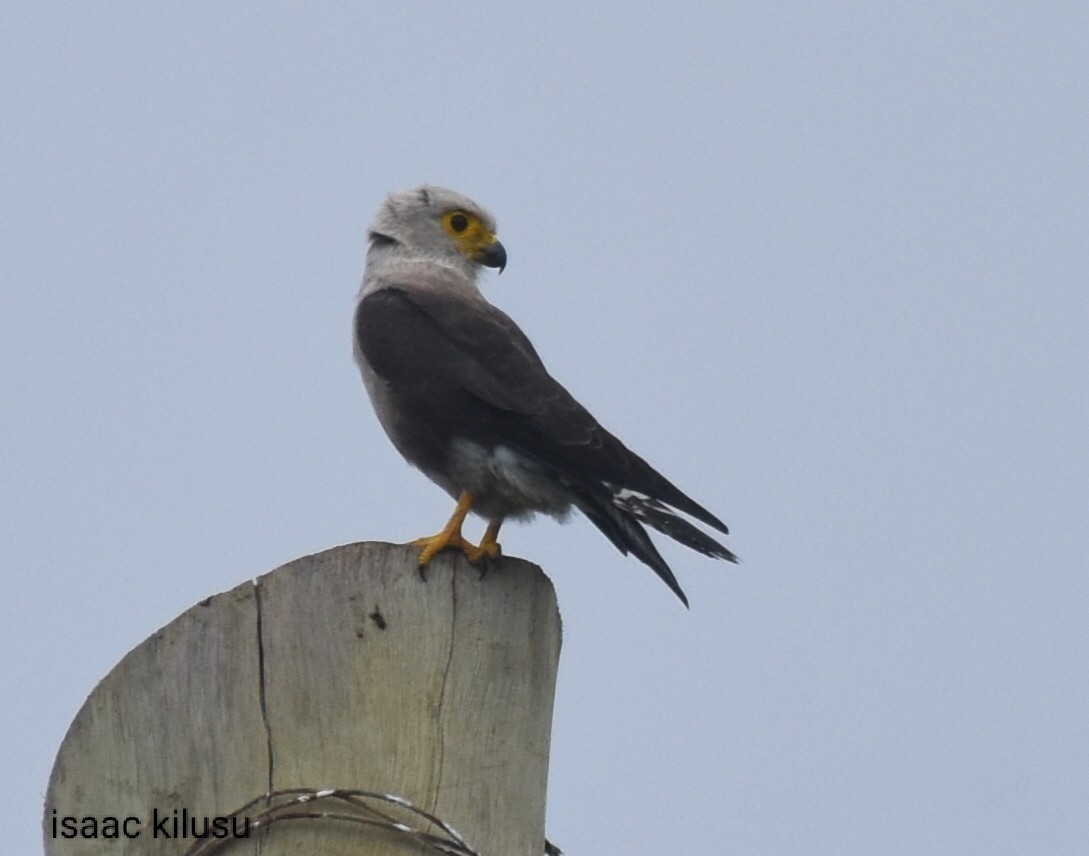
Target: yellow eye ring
x: 460, y: 224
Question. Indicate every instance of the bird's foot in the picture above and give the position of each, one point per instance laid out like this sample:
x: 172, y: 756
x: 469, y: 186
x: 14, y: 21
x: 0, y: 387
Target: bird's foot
x: 489, y: 549
x: 485, y: 550
x: 432, y: 545
x: 480, y: 554
x: 483, y: 556
x: 450, y: 538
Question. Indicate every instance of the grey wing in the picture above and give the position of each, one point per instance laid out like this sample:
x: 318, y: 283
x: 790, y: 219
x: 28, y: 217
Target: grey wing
x: 464, y: 368
x: 471, y: 362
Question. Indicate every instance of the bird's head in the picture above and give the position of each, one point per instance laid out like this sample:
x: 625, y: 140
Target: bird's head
x: 436, y: 223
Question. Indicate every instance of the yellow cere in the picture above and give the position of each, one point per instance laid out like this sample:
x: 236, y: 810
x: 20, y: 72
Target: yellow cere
x: 467, y: 230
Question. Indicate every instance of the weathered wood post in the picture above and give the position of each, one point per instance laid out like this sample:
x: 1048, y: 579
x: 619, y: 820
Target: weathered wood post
x: 339, y: 670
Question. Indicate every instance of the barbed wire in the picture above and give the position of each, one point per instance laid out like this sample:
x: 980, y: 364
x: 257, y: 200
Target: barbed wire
x: 398, y: 816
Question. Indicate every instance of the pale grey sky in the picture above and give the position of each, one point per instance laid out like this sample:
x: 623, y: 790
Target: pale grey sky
x: 825, y: 265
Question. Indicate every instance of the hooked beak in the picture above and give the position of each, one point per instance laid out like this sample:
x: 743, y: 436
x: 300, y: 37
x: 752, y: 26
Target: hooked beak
x: 494, y: 256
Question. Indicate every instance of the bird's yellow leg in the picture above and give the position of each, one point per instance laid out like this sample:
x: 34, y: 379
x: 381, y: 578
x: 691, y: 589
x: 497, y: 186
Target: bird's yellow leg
x: 450, y: 536
x: 489, y: 544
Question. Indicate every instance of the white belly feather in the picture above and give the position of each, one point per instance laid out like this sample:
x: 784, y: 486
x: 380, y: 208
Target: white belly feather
x: 505, y: 482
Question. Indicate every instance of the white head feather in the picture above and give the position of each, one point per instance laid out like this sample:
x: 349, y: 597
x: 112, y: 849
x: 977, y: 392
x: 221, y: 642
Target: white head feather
x: 409, y: 227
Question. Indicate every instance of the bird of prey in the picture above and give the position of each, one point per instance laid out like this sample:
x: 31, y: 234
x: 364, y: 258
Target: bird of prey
x: 464, y: 396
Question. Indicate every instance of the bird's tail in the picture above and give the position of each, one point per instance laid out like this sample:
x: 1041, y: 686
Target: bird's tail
x: 660, y: 516
x: 622, y: 528
x: 620, y: 512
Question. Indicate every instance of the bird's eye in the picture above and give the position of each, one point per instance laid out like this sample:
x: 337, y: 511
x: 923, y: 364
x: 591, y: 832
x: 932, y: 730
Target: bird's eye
x: 459, y: 222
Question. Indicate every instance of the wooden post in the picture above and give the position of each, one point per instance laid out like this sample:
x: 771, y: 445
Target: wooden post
x: 339, y: 670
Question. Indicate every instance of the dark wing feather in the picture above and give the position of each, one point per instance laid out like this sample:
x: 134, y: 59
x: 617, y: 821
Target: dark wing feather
x: 479, y: 349
x: 466, y: 369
